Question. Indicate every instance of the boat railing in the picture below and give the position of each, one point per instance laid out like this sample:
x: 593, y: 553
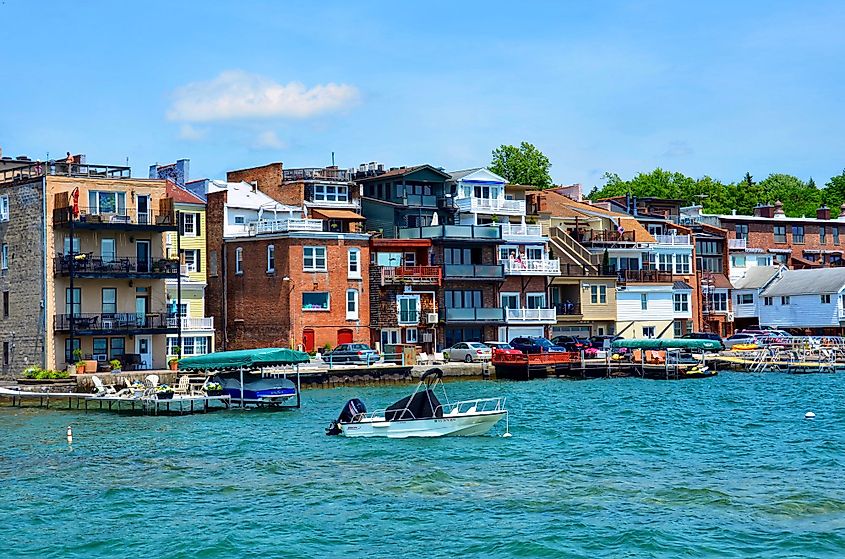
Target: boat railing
x: 480, y: 405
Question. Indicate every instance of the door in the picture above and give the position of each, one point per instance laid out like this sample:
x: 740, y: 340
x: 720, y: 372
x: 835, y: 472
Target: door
x: 142, y: 253
x: 344, y: 336
x: 144, y: 348
x: 144, y: 210
x: 308, y: 339
x: 142, y: 306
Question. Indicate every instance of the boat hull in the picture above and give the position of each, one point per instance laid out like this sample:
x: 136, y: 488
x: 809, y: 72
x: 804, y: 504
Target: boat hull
x: 463, y: 425
x: 257, y: 389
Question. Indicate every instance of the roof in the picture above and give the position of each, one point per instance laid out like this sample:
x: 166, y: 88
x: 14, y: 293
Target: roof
x: 681, y: 285
x: 667, y: 343
x: 245, y: 196
x: 559, y: 205
x: 484, y: 175
x: 181, y: 195
x: 404, y: 171
x: 243, y: 358
x: 338, y: 214
x: 807, y: 282
x: 757, y: 277
x: 400, y: 243
x: 458, y: 175
x: 720, y: 281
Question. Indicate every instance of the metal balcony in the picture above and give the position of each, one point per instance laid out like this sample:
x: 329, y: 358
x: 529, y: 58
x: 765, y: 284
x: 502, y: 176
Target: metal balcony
x: 89, y: 265
x: 473, y: 271
x: 119, y: 218
x: 192, y: 323
x: 537, y: 267
x: 520, y: 231
x: 453, y: 232
x: 493, y: 206
x: 530, y: 316
x: 473, y: 315
x: 117, y: 323
x: 411, y: 275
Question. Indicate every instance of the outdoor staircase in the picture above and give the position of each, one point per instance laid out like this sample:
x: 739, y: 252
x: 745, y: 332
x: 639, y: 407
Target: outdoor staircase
x: 572, y: 250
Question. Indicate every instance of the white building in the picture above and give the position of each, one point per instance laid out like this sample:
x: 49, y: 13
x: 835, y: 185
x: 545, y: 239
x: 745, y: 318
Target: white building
x: 746, y: 294
x: 645, y: 310
x: 249, y: 211
x: 805, y: 299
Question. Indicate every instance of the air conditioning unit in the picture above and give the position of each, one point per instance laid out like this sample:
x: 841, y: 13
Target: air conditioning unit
x: 730, y: 317
x: 431, y: 317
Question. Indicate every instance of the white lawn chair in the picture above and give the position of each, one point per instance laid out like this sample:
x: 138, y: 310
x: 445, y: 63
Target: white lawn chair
x: 422, y: 358
x: 151, y: 381
x: 438, y: 358
x: 101, y: 388
x: 184, y: 386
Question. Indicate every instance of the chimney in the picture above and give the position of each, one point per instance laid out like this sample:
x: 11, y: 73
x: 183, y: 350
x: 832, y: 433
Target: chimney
x: 823, y: 212
x: 841, y: 212
x: 764, y: 210
x: 779, y: 210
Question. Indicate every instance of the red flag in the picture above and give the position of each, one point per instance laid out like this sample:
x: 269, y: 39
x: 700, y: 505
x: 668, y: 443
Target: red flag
x: 75, y: 195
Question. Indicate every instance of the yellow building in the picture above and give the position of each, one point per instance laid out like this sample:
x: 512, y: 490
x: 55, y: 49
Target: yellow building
x: 197, y: 330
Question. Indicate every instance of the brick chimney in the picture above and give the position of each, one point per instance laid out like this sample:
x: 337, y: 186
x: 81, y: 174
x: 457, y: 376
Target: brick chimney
x: 823, y: 212
x: 764, y: 210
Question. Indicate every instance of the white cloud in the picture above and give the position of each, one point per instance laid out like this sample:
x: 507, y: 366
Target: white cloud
x: 268, y: 140
x: 188, y: 132
x: 236, y: 94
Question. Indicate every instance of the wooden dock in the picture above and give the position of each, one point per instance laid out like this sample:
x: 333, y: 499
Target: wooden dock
x: 179, y: 404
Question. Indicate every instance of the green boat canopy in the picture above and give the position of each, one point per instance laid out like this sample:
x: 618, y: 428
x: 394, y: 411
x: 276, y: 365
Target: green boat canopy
x: 246, y: 358
x: 666, y: 343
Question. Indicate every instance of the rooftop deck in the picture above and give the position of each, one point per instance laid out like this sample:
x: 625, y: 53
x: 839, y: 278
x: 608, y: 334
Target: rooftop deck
x: 29, y: 170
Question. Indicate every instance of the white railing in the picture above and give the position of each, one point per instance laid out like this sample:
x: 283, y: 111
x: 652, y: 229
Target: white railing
x: 531, y: 315
x: 491, y: 206
x: 739, y: 244
x: 673, y: 239
x: 191, y: 323
x: 512, y: 230
x: 531, y: 267
x: 285, y: 225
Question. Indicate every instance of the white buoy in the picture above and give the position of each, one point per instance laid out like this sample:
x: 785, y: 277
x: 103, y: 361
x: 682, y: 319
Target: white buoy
x: 506, y: 435
x: 809, y: 415
x: 69, y: 435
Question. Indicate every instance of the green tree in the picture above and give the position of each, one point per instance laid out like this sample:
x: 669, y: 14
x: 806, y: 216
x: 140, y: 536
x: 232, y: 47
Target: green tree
x: 798, y: 197
x: 833, y: 193
x: 522, y: 165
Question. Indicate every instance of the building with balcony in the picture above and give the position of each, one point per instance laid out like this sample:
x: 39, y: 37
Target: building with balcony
x: 83, y: 265
x: 404, y: 197
x: 479, y: 196
x: 279, y: 278
x: 806, y: 302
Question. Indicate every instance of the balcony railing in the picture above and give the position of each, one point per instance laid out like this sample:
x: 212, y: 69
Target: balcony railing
x: 683, y: 240
x: 577, y: 270
x: 88, y: 264
x: 568, y: 309
x: 596, y: 236
x: 737, y: 244
x: 265, y: 226
x: 473, y: 271
x: 531, y: 315
x: 111, y: 322
x: 316, y: 173
x: 92, y: 217
x: 457, y: 232
x: 531, y: 267
x: 192, y: 323
x: 35, y: 169
x: 520, y: 230
x: 491, y: 206
x: 413, y: 275
x: 645, y: 276
x: 421, y: 200
x: 473, y: 315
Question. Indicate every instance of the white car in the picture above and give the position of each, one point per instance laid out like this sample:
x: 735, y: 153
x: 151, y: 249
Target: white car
x: 468, y: 352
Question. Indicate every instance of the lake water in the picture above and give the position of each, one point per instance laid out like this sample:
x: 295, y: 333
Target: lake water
x: 719, y: 467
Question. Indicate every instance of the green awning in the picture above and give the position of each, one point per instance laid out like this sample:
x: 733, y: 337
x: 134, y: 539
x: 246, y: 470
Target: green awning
x: 666, y: 343
x: 246, y: 358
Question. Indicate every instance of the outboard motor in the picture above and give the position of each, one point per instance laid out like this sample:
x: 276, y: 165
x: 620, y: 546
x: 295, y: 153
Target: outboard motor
x: 351, y: 409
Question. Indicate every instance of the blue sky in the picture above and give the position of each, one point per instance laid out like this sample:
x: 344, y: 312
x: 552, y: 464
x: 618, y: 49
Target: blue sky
x: 720, y: 88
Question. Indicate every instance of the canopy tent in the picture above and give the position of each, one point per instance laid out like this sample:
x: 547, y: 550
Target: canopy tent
x: 243, y: 359
x: 666, y: 343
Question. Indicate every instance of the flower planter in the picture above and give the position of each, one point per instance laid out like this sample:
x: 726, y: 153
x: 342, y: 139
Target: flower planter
x: 174, y: 365
x: 164, y: 395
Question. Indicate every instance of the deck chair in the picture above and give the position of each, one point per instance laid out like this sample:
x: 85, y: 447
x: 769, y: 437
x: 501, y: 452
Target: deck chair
x: 101, y: 388
x: 151, y: 381
x: 422, y: 358
x: 438, y: 358
x: 184, y: 386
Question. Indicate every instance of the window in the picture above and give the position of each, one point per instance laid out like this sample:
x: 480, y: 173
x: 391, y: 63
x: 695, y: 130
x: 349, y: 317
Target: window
x: 410, y: 259
x: 118, y: 348
x: 409, y: 309
x: 354, y: 263
x: 741, y: 232
x: 101, y: 202
x: 351, y: 304
x: 389, y: 336
x: 682, y: 264
x: 798, y: 234
x: 648, y: 331
x: 109, y: 299
x: 644, y: 301
x: 191, y: 259
x: 389, y: 259
x: 77, y: 300
x: 5, y: 354
x: 411, y: 336
x: 534, y: 253
x: 767, y: 301
x: 825, y: 299
x: 719, y: 301
x: 664, y: 262
x: 271, y: 259
x: 5, y: 304
x: 681, y: 301
x: 315, y: 301
x: 190, y: 224
x: 66, y: 245
x: 822, y: 235
x: 4, y: 257
x: 331, y: 193
x: 784, y: 300
x: 68, y: 351
x: 4, y: 207
x: 764, y: 261
x: 746, y: 299
x: 535, y: 300
x: 780, y: 233
x: 598, y: 294
x: 466, y: 299
x: 240, y: 220
x: 108, y: 251
x: 239, y: 260
x: 101, y: 348
x: 738, y: 261
x: 314, y: 259
x: 191, y: 345
x: 509, y: 300
x: 462, y: 256
x: 835, y: 234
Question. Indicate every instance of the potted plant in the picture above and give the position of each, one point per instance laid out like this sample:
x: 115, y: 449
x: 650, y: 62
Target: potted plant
x: 115, y: 365
x: 164, y: 392
x: 173, y: 362
x: 214, y: 389
x: 494, y: 218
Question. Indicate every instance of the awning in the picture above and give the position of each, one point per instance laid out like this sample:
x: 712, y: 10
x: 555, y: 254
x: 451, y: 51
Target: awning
x: 666, y: 343
x: 246, y: 358
x: 338, y: 214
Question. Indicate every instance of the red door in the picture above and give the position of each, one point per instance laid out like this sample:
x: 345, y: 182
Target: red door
x: 344, y: 336
x: 308, y: 339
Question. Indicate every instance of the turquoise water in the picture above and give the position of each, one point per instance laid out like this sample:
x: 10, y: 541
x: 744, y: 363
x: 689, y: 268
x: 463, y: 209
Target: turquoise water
x: 721, y: 467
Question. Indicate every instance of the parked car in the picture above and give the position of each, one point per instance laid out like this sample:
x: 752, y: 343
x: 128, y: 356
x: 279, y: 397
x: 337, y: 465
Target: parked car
x: 468, y: 352
x: 705, y: 336
x: 501, y: 347
x: 351, y: 353
x: 740, y: 339
x: 768, y: 336
x: 535, y: 345
x: 572, y: 343
x: 603, y: 342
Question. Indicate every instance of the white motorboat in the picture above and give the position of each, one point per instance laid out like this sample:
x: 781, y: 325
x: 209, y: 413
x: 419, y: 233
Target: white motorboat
x: 421, y: 415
